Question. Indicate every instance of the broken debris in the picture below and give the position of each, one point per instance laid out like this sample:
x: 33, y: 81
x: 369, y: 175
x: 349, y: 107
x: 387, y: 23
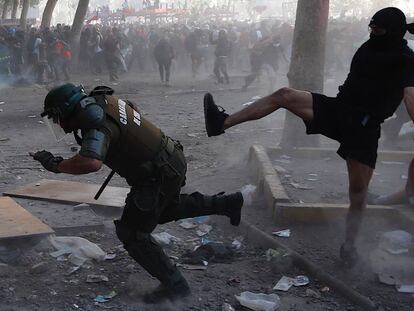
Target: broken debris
x: 282, y: 233
x: 259, y: 302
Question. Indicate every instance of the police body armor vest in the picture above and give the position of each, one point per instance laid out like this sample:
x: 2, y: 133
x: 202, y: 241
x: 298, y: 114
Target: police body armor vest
x: 139, y: 142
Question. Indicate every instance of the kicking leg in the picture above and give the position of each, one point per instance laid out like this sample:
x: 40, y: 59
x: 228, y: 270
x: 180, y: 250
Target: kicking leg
x: 297, y: 102
x: 359, y: 177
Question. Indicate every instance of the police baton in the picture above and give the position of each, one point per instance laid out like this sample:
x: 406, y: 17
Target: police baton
x: 106, y: 182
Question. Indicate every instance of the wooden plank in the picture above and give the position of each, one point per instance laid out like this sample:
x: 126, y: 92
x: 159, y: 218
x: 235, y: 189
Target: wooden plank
x: 71, y: 192
x: 16, y: 222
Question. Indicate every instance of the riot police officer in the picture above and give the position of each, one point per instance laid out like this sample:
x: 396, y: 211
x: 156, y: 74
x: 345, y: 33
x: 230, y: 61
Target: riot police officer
x: 113, y: 132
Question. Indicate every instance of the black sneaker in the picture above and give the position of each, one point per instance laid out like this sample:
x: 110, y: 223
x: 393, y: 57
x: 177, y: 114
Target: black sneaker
x: 234, y: 204
x: 214, y: 116
x: 177, y: 291
x: 348, y: 255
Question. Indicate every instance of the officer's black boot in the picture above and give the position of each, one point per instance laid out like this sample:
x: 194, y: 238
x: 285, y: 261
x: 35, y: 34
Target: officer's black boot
x: 144, y: 250
x: 229, y: 205
x: 197, y: 204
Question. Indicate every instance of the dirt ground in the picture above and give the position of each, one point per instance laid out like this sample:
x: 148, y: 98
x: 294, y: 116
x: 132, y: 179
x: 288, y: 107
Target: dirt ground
x: 214, y: 165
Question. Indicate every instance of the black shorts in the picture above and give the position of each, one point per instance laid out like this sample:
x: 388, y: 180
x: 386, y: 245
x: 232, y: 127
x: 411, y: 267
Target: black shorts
x: 333, y: 120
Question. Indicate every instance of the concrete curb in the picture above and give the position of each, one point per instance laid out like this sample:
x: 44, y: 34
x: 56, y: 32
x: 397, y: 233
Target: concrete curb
x: 266, y: 177
x: 277, y: 200
x: 262, y: 239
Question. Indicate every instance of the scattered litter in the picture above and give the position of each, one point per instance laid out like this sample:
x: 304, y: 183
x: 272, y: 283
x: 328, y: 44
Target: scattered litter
x: 392, y: 162
x: 192, y: 267
x: 2, y: 103
x: 237, y: 244
x: 187, y: 224
x: 203, y: 229
x: 259, y: 302
x: 299, y: 186
x: 284, y: 284
x: 165, y: 238
x: 40, y: 122
x: 311, y: 179
x: 93, y: 278
x: 313, y: 174
x: 313, y: 293
x: 227, y: 307
x: 396, y: 242
x: 81, y: 207
x: 110, y: 256
x: 257, y: 97
x: 192, y: 135
x: 280, y: 169
x: 32, y: 116
x: 407, y: 289
x: 404, y: 177
x: 325, y: 289
x: 80, y: 249
x: 283, y: 233
x: 4, y: 139
x: 72, y: 270
x: 105, y: 298
x: 248, y: 193
x: 211, y: 252
x: 301, y: 280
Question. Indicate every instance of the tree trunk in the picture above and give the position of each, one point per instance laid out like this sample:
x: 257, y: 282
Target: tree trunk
x: 23, y: 15
x: 48, y: 13
x: 14, y: 9
x: 5, y: 9
x: 77, y: 25
x: 306, y: 70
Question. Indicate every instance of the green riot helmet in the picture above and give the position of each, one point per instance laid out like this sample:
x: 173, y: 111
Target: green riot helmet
x: 60, y: 104
x: 61, y: 101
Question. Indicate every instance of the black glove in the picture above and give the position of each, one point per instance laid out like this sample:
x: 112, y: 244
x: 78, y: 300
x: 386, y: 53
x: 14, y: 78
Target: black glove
x: 48, y: 160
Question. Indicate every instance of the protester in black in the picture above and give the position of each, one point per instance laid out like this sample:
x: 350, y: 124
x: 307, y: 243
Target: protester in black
x: 381, y: 76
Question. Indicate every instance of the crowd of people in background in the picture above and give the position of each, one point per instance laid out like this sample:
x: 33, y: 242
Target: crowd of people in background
x: 47, y: 55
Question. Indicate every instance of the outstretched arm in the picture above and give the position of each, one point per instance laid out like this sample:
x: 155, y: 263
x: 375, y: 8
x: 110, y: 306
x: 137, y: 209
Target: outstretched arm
x: 78, y: 165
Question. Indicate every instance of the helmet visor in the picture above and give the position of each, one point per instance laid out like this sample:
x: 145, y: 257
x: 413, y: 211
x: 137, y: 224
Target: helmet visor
x: 54, y: 128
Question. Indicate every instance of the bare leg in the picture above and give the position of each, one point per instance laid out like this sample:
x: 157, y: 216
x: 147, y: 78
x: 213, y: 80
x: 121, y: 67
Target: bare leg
x: 297, y: 102
x: 359, y: 177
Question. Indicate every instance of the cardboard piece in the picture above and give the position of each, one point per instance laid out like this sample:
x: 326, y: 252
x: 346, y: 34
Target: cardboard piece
x: 71, y: 192
x: 16, y: 222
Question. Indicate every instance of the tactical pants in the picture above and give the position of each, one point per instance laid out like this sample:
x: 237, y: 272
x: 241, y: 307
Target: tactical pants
x: 156, y: 201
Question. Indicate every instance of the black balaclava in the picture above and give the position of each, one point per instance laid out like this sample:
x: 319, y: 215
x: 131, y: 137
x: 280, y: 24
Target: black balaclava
x: 394, y: 22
